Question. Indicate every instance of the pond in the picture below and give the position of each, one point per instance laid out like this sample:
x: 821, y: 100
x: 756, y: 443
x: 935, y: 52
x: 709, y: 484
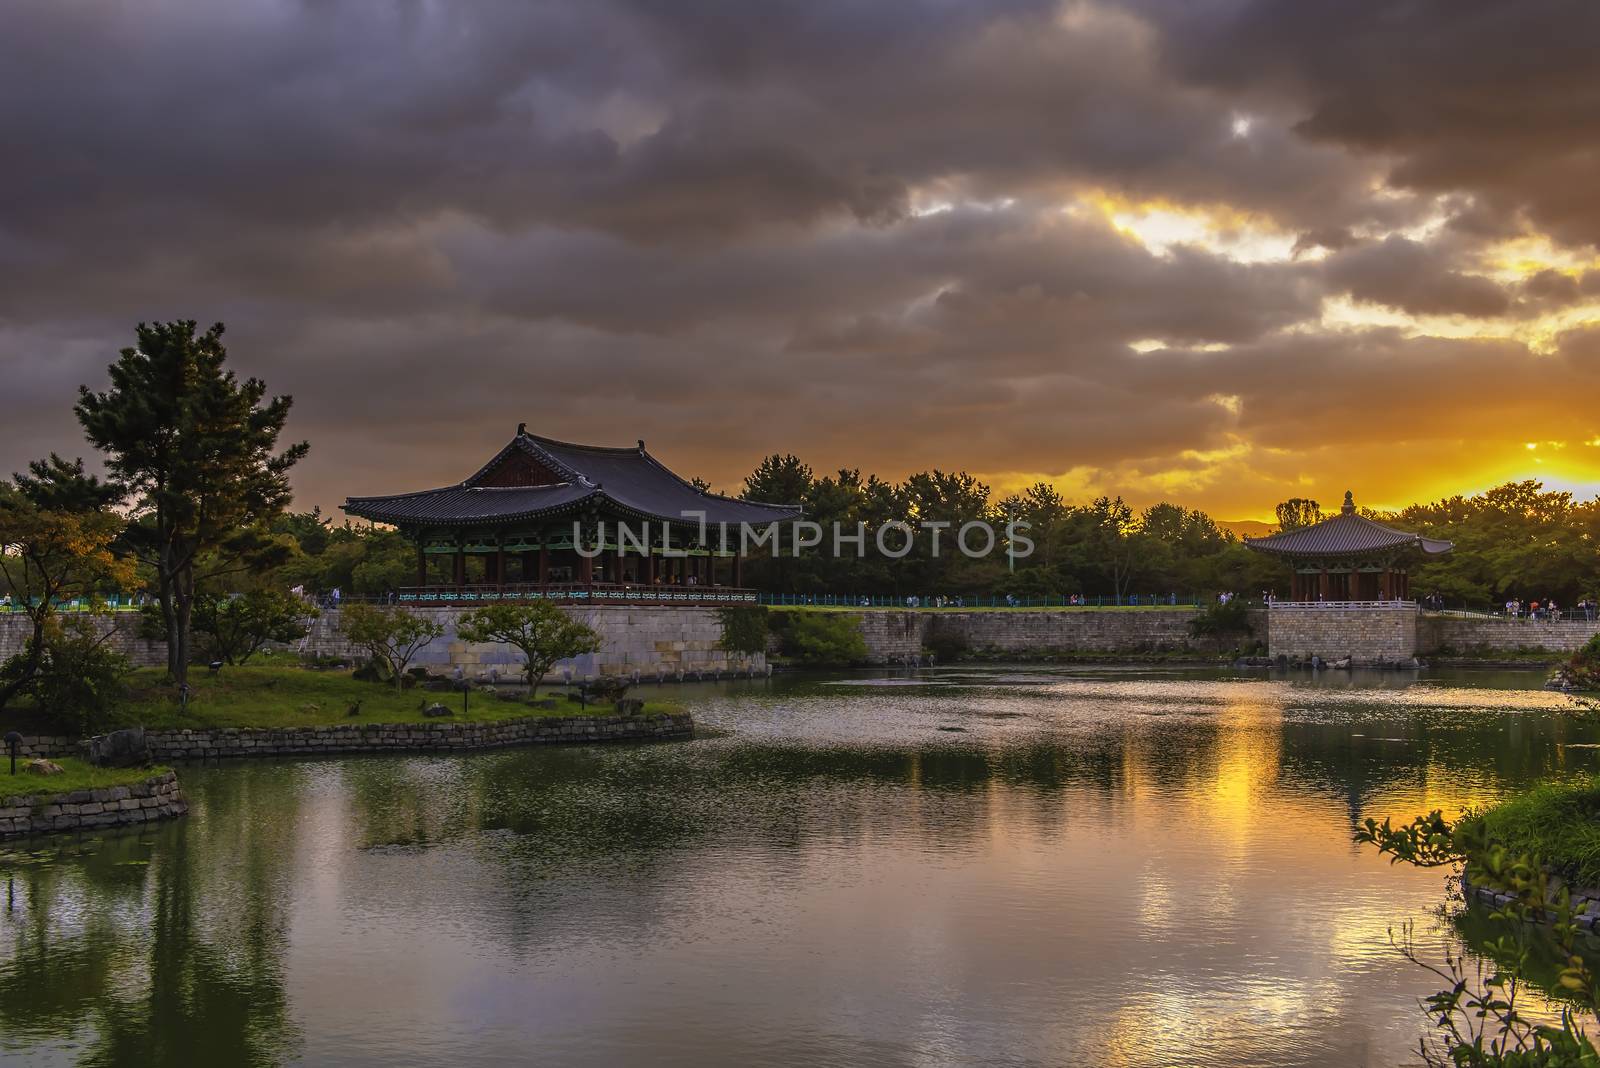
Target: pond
x: 1026, y: 866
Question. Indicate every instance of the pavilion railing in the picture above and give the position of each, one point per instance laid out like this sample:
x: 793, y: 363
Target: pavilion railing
x: 575, y: 593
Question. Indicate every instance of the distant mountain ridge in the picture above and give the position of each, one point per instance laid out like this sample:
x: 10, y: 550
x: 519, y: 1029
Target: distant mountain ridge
x: 1248, y: 528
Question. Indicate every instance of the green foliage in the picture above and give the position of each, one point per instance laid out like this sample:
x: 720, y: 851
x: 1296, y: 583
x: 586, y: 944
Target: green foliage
x: 1477, y: 1017
x: 744, y: 628
x: 234, y: 627
x: 542, y: 631
x: 391, y: 635
x: 80, y: 680
x: 195, y: 449
x: 56, y: 543
x: 1297, y: 512
x: 76, y: 775
x: 266, y: 694
x: 820, y: 637
x: 1220, y: 619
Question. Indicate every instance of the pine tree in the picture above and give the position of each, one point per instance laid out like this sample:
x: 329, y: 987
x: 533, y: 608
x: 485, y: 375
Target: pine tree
x: 195, y: 448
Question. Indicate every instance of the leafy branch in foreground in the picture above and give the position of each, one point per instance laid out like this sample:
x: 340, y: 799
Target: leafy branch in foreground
x: 1477, y: 1018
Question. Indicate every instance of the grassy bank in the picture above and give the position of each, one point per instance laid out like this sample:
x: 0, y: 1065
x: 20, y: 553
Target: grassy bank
x: 1558, y: 825
x: 75, y: 775
x: 276, y: 695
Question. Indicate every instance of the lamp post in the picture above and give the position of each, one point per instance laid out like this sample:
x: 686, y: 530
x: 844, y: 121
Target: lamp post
x: 13, y: 739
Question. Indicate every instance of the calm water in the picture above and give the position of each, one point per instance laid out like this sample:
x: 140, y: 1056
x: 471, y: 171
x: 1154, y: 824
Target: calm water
x: 1007, y: 866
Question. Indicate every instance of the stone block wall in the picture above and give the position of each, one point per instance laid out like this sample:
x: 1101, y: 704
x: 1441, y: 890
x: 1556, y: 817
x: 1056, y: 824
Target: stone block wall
x: 156, y: 798
x: 1480, y: 635
x: 435, y: 736
x: 425, y: 737
x: 655, y: 641
x: 1367, y: 634
x: 123, y: 627
x: 893, y: 636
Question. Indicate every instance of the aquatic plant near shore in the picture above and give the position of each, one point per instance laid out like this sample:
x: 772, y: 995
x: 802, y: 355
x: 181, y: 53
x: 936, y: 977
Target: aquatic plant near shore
x: 1478, y: 1019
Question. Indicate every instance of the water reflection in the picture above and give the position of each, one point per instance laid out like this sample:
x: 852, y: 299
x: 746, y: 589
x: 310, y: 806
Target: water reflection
x: 1021, y: 866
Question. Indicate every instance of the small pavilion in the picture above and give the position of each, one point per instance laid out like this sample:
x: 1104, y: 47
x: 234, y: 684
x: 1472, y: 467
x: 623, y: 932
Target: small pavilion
x: 548, y: 518
x: 1349, y: 557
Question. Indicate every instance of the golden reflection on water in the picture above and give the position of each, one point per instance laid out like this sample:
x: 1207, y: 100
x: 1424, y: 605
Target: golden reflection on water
x: 1037, y: 867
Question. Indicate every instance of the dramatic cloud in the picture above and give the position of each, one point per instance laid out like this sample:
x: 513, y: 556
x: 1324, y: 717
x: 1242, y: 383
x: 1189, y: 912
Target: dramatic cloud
x: 1223, y: 253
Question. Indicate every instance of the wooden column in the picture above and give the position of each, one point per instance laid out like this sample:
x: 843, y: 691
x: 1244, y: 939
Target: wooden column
x: 500, y: 566
x: 544, y: 563
x: 738, y: 569
x: 1322, y: 585
x: 1383, y: 587
x: 585, y: 565
x: 652, y: 573
x: 422, y: 564
x: 460, y: 573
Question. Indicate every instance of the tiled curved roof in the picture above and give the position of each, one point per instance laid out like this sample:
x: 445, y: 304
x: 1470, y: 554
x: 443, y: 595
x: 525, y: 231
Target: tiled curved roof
x: 456, y: 504
x: 629, y: 480
x: 1346, y: 534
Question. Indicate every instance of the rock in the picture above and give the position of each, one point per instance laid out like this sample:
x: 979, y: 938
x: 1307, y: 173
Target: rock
x: 630, y: 706
x: 435, y: 711
x: 120, y: 749
x: 42, y: 767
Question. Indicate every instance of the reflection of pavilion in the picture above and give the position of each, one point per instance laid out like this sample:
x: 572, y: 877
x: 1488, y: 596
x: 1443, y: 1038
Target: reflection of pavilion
x: 1349, y: 557
x: 546, y: 518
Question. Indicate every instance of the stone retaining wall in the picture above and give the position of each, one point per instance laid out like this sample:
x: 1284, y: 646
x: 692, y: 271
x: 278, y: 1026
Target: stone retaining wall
x: 1372, y: 633
x: 382, y: 737
x: 1486, y: 635
x: 656, y: 642
x: 893, y: 636
x: 123, y: 627
x: 155, y: 798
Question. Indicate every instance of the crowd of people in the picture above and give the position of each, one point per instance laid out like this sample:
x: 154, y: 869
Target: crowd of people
x: 1549, y: 611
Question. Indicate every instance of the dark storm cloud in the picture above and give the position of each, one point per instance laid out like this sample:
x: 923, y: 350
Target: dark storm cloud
x: 1496, y: 99
x: 871, y: 233
x: 1415, y: 278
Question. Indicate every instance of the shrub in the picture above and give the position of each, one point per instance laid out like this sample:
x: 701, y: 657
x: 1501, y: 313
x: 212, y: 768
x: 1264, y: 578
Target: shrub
x: 543, y: 632
x: 391, y: 635
x: 233, y: 628
x: 744, y: 628
x: 823, y: 638
x: 80, y: 679
x: 1222, y: 620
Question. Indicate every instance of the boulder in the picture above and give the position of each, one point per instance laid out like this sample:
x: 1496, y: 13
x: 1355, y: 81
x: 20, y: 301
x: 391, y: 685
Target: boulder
x: 42, y: 767
x: 120, y: 749
x: 630, y: 706
x: 434, y: 711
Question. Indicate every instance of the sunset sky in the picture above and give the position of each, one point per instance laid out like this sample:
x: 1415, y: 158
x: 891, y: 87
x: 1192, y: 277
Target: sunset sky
x: 1218, y: 253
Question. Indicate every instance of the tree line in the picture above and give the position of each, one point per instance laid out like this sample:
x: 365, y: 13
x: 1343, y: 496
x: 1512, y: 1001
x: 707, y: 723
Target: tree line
x: 193, y: 512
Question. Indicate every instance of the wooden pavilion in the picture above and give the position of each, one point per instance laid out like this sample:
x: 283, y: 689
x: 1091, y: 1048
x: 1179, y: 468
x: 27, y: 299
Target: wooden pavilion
x: 547, y: 518
x: 1349, y: 557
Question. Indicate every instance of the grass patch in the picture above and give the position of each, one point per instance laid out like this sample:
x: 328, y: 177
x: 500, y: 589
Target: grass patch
x: 75, y: 775
x: 279, y: 695
x: 1559, y: 825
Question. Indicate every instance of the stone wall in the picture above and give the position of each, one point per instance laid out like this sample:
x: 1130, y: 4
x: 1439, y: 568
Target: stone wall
x: 156, y: 798
x: 428, y: 737
x: 1371, y: 633
x: 894, y: 636
x: 124, y: 627
x: 1480, y: 635
x: 654, y: 641
x: 437, y: 736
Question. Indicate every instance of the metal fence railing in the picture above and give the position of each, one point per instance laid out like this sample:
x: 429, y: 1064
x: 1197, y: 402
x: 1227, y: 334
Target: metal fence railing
x: 985, y: 600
